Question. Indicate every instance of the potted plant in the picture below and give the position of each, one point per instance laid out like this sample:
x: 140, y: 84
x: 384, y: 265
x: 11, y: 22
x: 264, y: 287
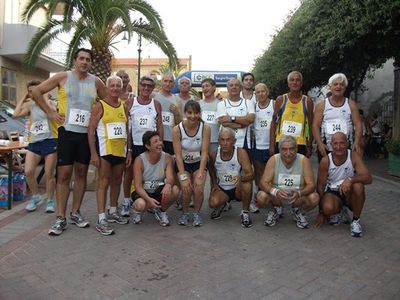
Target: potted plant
x: 393, y: 147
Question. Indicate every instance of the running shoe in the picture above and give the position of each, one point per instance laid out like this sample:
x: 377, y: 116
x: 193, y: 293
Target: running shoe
x: 115, y: 217
x: 137, y: 217
x: 197, y: 219
x: 50, y: 208
x: 216, y: 213
x: 356, y: 229
x: 33, y: 203
x: 334, y: 219
x: 58, y: 227
x: 272, y: 218
x: 183, y: 219
x: 245, y: 219
x: 125, y: 210
x: 279, y: 211
x: 347, y: 215
x: 78, y: 220
x: 301, y: 221
x: 161, y: 217
x: 253, y: 208
x: 228, y: 205
x: 104, y: 228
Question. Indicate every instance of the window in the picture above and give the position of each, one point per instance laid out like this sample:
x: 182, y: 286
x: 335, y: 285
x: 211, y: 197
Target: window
x: 9, y: 86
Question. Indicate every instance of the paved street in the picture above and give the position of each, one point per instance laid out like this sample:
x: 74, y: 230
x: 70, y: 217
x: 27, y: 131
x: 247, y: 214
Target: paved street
x: 220, y: 260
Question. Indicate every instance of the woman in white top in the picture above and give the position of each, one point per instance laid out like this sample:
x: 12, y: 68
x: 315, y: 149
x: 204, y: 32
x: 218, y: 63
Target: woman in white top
x: 191, y: 140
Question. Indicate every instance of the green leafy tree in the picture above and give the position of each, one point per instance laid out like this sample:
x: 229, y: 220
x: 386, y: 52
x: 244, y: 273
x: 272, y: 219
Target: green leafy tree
x: 324, y: 37
x: 99, y: 23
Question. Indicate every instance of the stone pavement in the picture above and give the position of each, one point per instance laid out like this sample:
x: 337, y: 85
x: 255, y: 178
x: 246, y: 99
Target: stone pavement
x: 220, y: 260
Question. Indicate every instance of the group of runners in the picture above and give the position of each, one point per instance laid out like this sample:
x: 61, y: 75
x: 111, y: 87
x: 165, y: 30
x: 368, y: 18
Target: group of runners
x: 255, y: 150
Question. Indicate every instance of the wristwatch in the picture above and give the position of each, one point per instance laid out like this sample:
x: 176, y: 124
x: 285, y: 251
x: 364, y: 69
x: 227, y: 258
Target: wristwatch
x: 233, y: 118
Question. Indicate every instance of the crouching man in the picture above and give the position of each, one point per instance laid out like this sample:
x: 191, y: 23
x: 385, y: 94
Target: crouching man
x: 288, y: 178
x: 342, y: 176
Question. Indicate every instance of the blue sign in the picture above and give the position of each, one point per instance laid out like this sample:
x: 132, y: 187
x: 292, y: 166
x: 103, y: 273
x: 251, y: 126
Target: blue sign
x: 221, y: 78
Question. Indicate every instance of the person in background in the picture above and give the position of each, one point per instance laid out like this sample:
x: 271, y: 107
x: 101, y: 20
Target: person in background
x: 42, y: 138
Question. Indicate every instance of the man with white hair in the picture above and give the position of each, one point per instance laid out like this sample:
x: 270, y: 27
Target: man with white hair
x: 337, y: 114
x: 342, y: 176
x: 108, y: 136
x: 184, y: 85
x: 293, y: 115
x: 288, y: 178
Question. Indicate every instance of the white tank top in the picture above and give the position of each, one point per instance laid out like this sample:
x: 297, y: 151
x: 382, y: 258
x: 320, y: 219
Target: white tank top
x: 191, y: 145
x: 262, y: 125
x: 167, y: 116
x: 143, y: 117
x: 337, y: 174
x: 227, y: 170
x: 239, y: 109
x: 336, y: 119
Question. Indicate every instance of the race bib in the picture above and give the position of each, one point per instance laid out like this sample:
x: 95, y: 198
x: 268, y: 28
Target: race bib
x: 290, y: 182
x: 335, y: 186
x: 79, y: 117
x: 264, y: 122
x: 209, y: 117
x: 40, y: 127
x: 152, y: 185
x: 291, y: 128
x: 191, y: 157
x: 116, y: 130
x: 142, y: 121
x: 167, y: 118
x: 336, y: 125
x: 227, y: 177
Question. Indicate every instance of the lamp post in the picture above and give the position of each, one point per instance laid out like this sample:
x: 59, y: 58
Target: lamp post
x: 139, y: 52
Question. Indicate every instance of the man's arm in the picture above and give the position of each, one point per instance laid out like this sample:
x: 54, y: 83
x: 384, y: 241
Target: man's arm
x: 362, y: 173
x: 101, y: 88
x: 309, y: 182
x: 245, y: 163
x: 268, y: 176
x: 322, y: 175
x: 310, y: 116
x: 316, y: 125
x: 212, y: 170
x: 94, y: 121
x: 274, y: 125
x: 160, y: 127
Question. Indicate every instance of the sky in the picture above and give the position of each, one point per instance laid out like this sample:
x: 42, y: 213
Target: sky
x: 220, y: 35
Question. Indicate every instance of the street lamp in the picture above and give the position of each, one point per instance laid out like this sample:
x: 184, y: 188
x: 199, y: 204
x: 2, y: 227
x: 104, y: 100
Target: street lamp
x: 139, y: 52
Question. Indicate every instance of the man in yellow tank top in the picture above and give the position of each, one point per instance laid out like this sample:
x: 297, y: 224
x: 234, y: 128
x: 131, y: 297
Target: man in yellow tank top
x: 293, y: 115
x: 108, y: 136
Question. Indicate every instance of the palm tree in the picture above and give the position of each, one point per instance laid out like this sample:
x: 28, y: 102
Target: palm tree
x: 99, y: 23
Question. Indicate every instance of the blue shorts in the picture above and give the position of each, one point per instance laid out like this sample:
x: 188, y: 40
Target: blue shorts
x: 260, y: 155
x: 43, y: 148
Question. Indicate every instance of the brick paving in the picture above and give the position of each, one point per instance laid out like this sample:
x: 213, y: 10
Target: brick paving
x: 220, y: 260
